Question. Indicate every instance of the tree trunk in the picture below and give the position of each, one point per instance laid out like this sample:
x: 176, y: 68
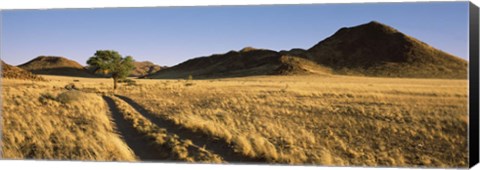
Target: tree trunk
x: 115, y: 83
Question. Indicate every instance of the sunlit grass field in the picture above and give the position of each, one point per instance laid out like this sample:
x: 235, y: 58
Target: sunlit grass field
x: 322, y: 120
x: 41, y: 120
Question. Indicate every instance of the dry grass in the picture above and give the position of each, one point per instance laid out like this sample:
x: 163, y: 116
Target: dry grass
x: 334, y: 120
x: 322, y: 120
x: 169, y: 146
x: 41, y: 120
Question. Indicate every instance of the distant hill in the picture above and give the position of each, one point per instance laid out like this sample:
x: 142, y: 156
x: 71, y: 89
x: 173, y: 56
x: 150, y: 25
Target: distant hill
x: 371, y: 49
x: 375, y: 49
x: 246, y: 62
x: 53, y: 65
x: 12, y: 72
x: 145, y: 68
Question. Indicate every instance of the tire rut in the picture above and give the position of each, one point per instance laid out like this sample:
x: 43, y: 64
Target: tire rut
x: 217, y: 146
x: 132, y: 138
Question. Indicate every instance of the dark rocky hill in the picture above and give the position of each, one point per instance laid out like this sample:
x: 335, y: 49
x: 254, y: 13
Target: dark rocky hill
x: 375, y: 49
x: 12, y: 72
x: 53, y: 65
x: 246, y: 62
x: 145, y: 68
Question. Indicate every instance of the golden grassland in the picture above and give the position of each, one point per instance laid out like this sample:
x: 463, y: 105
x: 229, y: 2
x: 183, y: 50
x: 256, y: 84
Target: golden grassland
x: 168, y: 146
x: 323, y: 120
x: 41, y: 120
x: 333, y: 120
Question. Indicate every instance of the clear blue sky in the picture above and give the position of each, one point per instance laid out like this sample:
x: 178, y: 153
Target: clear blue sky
x: 170, y: 35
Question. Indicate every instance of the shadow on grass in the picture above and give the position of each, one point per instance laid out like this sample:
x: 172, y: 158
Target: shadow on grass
x: 217, y: 146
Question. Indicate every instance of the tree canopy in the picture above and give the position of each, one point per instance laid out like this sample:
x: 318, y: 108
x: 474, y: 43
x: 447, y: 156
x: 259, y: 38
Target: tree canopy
x: 112, y: 64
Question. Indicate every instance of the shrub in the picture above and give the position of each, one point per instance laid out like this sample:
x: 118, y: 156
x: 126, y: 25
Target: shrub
x: 71, y: 86
x: 45, y: 97
x: 189, y: 81
x: 70, y: 97
x: 129, y: 82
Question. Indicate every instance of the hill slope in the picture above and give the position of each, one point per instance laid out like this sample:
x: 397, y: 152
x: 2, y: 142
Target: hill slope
x: 246, y: 62
x: 375, y: 49
x: 53, y: 65
x: 145, y: 68
x: 13, y: 72
x: 371, y: 49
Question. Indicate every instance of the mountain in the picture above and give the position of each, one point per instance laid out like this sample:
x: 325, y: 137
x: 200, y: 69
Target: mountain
x: 13, y: 72
x: 53, y: 65
x: 246, y: 62
x: 375, y: 49
x: 145, y: 68
x: 371, y: 49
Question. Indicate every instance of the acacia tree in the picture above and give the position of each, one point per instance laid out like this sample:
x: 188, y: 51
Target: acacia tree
x: 111, y: 63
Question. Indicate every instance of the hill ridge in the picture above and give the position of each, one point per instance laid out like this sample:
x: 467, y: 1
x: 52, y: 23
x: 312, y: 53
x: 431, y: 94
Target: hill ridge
x: 376, y: 49
x: 56, y: 65
x: 12, y: 72
x: 370, y: 49
x: 248, y: 61
x: 145, y: 68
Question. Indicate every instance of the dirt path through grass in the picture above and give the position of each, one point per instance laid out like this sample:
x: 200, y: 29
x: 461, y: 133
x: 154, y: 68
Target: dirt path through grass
x: 134, y: 140
x: 217, y: 146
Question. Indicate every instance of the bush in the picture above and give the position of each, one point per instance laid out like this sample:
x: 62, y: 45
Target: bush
x: 45, y: 97
x: 129, y: 82
x: 70, y: 97
x: 71, y: 86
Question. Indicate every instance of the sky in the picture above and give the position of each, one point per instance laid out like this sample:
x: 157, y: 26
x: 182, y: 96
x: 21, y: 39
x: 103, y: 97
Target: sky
x: 170, y: 35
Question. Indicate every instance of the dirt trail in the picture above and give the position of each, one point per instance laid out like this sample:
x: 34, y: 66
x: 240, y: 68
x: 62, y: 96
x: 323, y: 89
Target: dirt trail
x: 133, y: 139
x: 217, y: 146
